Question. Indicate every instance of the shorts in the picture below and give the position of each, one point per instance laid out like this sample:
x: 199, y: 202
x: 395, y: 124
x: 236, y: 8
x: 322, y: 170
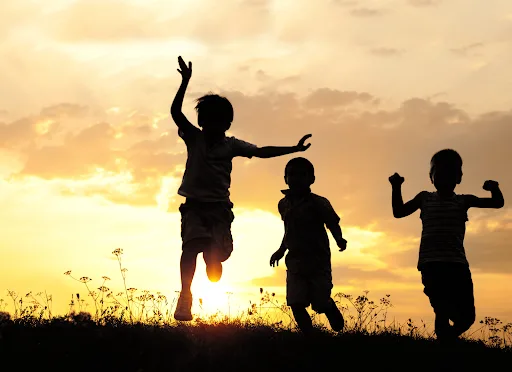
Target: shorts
x: 309, y: 289
x: 449, y: 287
x: 206, y: 227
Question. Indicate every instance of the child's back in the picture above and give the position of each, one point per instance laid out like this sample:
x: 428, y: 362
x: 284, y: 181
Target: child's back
x: 444, y: 227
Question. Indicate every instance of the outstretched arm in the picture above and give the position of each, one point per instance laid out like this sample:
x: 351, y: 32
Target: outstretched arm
x: 177, y: 115
x: 401, y: 209
x: 274, y: 151
x: 495, y: 201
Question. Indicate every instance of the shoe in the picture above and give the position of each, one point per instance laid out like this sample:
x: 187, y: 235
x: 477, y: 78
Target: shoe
x: 214, y: 271
x: 183, y: 308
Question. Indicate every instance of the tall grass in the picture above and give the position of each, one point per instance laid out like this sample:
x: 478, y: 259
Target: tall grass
x: 132, y: 306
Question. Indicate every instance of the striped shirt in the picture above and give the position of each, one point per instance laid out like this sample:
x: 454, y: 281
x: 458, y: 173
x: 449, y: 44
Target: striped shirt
x: 444, y: 226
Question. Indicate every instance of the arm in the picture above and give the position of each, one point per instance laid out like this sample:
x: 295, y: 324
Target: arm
x: 495, y: 201
x: 401, y: 209
x: 177, y: 115
x: 332, y: 222
x: 274, y: 260
x: 335, y: 230
x: 274, y: 151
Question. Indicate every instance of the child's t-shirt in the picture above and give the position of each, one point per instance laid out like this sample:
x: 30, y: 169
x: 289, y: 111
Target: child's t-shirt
x: 207, y: 175
x: 305, y: 237
x: 444, y: 227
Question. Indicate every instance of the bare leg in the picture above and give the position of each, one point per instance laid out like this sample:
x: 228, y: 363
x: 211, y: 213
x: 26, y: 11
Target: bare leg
x: 335, y: 317
x: 188, y: 269
x: 303, y: 319
x: 444, y: 331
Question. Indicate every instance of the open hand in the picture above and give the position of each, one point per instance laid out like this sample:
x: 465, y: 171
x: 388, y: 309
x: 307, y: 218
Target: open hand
x: 396, y: 179
x: 301, y: 146
x: 490, y: 185
x: 186, y: 71
x: 342, y: 244
x: 274, y: 260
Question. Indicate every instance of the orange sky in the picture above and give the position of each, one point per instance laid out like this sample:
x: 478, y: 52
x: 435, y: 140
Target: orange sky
x: 90, y: 159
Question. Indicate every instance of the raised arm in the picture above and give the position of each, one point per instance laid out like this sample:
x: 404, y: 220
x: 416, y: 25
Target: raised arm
x: 274, y: 151
x: 401, y: 209
x: 176, y: 108
x: 495, y: 201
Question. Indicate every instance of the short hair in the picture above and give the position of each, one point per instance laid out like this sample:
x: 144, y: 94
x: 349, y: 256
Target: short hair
x: 215, y: 108
x: 300, y: 163
x: 448, y: 158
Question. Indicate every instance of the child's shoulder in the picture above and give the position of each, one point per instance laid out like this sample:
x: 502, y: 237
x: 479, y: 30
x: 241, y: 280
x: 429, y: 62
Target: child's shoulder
x: 319, y: 198
x: 321, y: 201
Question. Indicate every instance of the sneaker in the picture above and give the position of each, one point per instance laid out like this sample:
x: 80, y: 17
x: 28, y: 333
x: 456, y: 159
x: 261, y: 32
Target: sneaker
x: 214, y: 271
x: 183, y: 308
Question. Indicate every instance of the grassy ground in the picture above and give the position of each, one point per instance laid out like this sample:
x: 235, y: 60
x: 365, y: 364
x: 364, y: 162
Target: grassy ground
x: 134, y: 331
x: 65, y: 344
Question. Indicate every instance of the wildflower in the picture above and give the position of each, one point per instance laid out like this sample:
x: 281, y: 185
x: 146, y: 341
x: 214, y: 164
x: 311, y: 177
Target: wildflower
x: 105, y: 278
x: 85, y: 279
x: 117, y: 252
x: 67, y: 272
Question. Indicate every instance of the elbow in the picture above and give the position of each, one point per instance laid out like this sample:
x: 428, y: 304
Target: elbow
x: 397, y: 214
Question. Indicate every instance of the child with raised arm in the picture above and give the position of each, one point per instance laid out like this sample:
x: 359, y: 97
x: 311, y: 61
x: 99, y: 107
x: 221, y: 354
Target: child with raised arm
x: 442, y: 262
x: 206, y: 215
x: 308, y: 262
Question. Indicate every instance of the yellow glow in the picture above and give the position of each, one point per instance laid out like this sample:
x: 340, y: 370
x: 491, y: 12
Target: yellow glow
x: 113, y: 110
x: 43, y: 127
x: 211, y: 298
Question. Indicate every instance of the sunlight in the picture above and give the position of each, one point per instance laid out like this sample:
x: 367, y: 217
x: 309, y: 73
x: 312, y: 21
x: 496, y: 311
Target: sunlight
x: 211, y: 298
x: 44, y: 126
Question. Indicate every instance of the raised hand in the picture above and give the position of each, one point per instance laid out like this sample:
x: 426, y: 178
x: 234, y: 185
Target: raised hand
x: 274, y: 260
x: 186, y: 71
x: 490, y: 185
x: 396, y: 179
x: 301, y: 146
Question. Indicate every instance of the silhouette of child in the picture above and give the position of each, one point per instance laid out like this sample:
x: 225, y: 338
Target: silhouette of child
x: 442, y: 262
x: 308, y: 262
x: 206, y: 215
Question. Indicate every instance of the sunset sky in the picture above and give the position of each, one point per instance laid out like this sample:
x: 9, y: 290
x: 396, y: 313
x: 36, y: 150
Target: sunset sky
x: 90, y: 159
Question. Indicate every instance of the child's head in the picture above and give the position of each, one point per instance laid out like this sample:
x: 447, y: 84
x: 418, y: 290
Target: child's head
x: 214, y: 113
x: 299, y: 173
x: 446, y: 170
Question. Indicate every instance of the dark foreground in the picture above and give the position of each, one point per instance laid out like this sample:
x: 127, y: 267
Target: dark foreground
x: 62, y: 345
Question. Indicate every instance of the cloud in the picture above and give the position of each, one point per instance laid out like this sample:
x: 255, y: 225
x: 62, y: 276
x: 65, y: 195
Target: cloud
x: 386, y: 52
x: 367, y: 12
x: 468, y: 49
x: 424, y: 3
x: 122, y: 21
x: 341, y: 275
x: 356, y: 145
